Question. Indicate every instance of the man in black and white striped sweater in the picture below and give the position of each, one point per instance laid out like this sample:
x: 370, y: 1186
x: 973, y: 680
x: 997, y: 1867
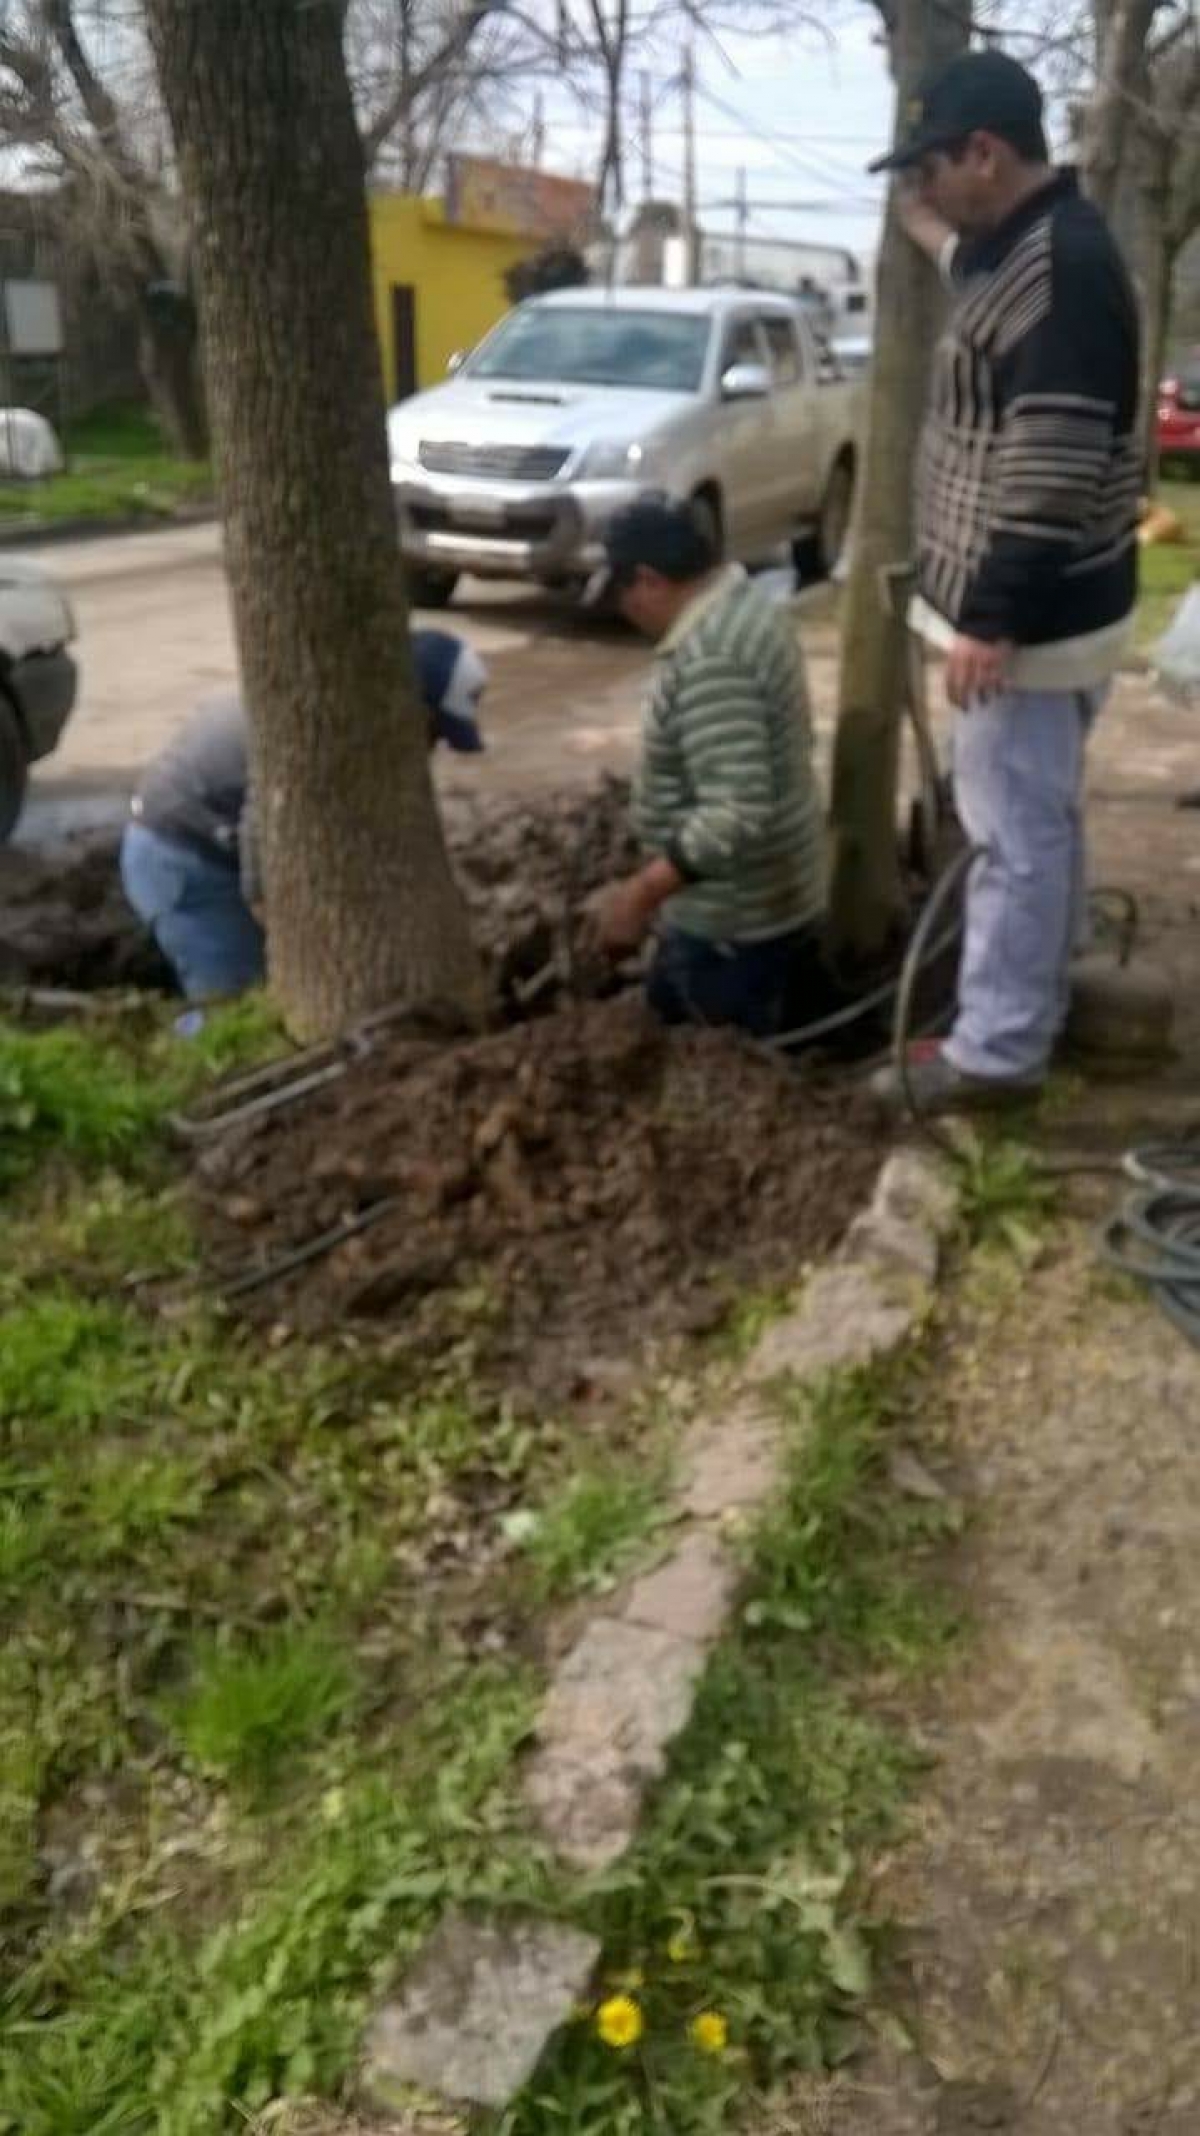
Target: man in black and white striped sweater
x: 1027, y: 502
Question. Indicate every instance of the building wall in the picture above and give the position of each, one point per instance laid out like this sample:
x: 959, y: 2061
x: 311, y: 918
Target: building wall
x: 456, y: 274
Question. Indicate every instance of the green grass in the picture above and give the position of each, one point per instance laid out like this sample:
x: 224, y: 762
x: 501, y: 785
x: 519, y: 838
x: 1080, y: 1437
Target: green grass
x: 1005, y: 1196
x: 742, y: 1896
x: 189, y: 2036
x: 589, y: 1531
x: 99, y: 1096
x: 1168, y: 571
x: 72, y: 1092
x: 118, y: 466
x: 248, y: 1750
x: 250, y: 1708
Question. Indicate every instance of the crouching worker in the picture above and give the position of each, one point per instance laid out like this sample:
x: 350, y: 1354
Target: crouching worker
x: 726, y: 807
x: 189, y: 856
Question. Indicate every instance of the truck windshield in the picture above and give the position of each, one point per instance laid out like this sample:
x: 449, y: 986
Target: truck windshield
x: 589, y: 347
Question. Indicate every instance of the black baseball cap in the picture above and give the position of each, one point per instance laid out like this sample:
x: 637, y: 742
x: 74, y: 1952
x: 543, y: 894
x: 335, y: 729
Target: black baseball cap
x: 657, y: 533
x: 980, y: 92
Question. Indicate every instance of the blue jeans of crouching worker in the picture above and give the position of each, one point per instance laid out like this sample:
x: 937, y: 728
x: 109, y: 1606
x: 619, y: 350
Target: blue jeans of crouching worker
x: 196, y: 912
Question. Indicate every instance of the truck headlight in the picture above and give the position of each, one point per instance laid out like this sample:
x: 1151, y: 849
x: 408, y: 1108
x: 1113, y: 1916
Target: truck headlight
x: 404, y: 461
x: 614, y: 463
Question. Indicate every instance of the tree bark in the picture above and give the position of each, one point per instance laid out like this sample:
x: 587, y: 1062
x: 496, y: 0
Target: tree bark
x: 1123, y: 27
x: 866, y: 900
x: 362, y: 909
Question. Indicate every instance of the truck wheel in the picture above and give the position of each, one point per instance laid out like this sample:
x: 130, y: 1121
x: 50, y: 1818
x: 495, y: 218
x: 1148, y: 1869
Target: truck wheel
x: 429, y: 588
x: 708, y: 514
x: 833, y: 527
x: 14, y: 770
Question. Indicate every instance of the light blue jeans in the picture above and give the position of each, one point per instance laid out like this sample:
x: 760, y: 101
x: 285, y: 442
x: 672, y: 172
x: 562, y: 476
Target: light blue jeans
x: 1018, y: 784
x: 195, y: 907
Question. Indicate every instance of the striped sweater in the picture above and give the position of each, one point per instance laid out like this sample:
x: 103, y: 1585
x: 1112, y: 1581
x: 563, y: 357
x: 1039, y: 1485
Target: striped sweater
x: 1030, y: 465
x: 725, y: 787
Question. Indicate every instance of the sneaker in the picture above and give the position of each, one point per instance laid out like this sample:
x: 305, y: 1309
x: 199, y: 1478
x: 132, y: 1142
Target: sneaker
x: 935, y: 1085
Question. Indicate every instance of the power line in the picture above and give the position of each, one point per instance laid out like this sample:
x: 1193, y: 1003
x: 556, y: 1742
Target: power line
x: 824, y: 171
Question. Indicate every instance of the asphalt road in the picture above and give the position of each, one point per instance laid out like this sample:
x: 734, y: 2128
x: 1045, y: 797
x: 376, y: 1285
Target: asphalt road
x: 155, y: 634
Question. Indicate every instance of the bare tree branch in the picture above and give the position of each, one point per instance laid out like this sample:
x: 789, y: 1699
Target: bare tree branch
x: 378, y: 131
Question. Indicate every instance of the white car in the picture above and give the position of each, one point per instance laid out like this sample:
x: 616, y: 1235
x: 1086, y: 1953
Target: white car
x: 579, y: 402
x: 37, y: 677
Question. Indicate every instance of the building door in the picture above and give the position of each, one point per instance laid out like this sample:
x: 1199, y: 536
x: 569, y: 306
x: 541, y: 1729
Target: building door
x: 404, y: 339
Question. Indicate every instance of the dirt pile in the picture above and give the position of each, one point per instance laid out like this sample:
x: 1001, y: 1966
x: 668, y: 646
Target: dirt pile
x: 597, y: 1180
x: 64, y: 920
x: 525, y: 869
x: 526, y: 872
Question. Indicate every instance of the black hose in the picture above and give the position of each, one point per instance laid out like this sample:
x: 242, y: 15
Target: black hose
x: 947, y: 886
x: 1155, y: 1235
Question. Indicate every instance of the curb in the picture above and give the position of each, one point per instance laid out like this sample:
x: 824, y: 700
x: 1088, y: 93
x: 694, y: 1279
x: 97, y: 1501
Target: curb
x: 626, y: 1688
x: 46, y: 533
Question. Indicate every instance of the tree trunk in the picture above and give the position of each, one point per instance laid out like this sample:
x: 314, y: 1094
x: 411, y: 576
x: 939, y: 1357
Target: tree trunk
x: 1123, y: 27
x: 362, y: 909
x: 169, y: 360
x: 1153, y: 272
x: 866, y: 896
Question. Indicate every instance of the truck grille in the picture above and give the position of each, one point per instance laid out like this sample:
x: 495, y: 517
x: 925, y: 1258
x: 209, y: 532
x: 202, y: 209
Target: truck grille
x: 504, y: 463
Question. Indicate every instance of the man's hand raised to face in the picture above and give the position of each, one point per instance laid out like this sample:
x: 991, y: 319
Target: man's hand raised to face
x: 922, y: 223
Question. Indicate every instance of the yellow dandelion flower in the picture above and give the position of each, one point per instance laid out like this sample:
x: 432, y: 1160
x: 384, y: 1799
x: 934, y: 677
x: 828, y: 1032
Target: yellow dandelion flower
x: 710, y: 2032
x: 619, y: 2021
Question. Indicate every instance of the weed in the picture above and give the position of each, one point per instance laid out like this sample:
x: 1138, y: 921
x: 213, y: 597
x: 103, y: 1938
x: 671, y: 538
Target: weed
x: 1004, y: 1195
x: 191, y: 2041
x: 99, y: 1097
x: 250, y: 1708
x: 69, y: 1361
x: 73, y: 1092
x: 588, y: 1531
x: 25, y: 1532
x: 750, y: 1315
x: 105, y: 1233
x: 235, y: 1035
x: 125, y: 1500
x: 739, y: 1901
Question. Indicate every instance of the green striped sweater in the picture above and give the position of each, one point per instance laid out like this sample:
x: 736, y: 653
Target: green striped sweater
x: 725, y: 787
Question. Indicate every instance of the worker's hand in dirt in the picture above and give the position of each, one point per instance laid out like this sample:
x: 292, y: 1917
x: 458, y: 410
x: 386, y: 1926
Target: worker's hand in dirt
x: 623, y: 912
x: 976, y: 667
x: 927, y: 229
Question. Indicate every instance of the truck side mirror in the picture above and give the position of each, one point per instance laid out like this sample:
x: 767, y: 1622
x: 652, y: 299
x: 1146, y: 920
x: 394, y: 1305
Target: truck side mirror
x: 746, y: 381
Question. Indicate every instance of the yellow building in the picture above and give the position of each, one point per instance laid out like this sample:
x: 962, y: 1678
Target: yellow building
x: 439, y: 286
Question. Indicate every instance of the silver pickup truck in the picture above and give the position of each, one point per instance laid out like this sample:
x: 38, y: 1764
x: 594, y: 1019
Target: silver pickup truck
x: 578, y: 402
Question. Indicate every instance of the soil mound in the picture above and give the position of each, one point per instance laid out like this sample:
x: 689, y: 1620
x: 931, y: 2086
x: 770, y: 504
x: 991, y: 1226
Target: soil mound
x: 526, y: 870
x: 590, y: 1178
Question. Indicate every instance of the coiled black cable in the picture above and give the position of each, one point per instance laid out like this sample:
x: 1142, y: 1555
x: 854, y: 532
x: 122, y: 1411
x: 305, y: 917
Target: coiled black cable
x: 1155, y: 1235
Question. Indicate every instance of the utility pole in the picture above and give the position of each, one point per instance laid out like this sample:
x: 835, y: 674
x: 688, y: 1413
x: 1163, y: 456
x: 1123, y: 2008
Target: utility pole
x: 647, y: 136
x: 539, y: 130
x: 743, y: 217
x: 691, y: 229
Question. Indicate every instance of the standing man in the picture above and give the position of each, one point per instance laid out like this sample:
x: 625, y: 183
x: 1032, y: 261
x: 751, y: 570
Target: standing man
x: 1026, y: 545
x: 726, y: 807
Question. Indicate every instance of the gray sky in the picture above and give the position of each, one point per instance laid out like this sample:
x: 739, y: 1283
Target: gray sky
x: 801, y: 115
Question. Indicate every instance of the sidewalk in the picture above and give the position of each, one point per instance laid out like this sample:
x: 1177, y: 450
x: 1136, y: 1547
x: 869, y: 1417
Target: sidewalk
x: 1050, y: 1889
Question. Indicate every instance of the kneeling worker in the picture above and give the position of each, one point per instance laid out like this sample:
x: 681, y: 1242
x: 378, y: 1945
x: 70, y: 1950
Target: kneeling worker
x: 189, y: 862
x: 726, y: 806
